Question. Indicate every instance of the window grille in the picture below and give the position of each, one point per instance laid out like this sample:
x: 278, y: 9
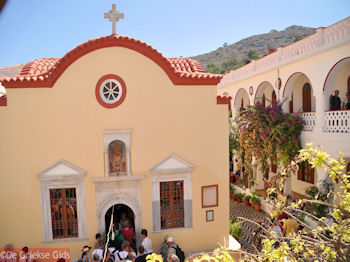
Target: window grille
x: 171, y: 204
x: 64, y: 213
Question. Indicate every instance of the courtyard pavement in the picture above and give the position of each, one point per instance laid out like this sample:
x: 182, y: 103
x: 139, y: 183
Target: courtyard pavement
x: 240, y: 210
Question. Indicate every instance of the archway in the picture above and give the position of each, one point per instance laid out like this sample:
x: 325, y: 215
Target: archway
x: 121, y: 214
x: 338, y: 78
x: 265, y: 94
x: 241, y: 100
x: 124, y: 198
x: 298, y: 93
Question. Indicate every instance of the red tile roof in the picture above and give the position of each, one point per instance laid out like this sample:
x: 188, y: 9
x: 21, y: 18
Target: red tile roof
x: 44, y: 72
x: 39, y: 66
x: 184, y: 64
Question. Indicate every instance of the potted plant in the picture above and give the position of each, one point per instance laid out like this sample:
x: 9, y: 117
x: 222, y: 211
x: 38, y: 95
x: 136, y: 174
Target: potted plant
x: 252, y: 200
x: 257, y: 204
x: 235, y: 229
x: 232, y: 191
x: 239, y: 197
x: 246, y: 199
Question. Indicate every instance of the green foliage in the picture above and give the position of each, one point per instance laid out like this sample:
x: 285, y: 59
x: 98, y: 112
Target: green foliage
x: 265, y: 133
x: 311, y: 191
x: 239, y: 195
x: 220, y: 254
x: 235, y: 228
x: 232, y: 189
x: 313, y: 244
x: 247, y: 197
x: 253, y: 54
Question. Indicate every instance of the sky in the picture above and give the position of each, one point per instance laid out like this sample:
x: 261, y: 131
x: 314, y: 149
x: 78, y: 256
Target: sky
x: 31, y: 29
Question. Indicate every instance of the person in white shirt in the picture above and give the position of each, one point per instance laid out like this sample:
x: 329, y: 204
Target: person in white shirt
x: 146, y: 242
x: 98, y: 250
x: 122, y: 255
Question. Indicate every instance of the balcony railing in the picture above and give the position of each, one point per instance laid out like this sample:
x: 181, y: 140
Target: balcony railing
x: 323, y: 36
x: 309, y: 119
x: 338, y: 121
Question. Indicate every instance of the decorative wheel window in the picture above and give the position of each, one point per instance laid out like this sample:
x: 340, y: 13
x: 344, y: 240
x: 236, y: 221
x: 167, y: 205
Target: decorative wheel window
x: 110, y: 91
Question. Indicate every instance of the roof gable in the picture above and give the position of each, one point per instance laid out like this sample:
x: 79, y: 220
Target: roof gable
x: 44, y: 72
x: 61, y: 169
x: 172, y: 163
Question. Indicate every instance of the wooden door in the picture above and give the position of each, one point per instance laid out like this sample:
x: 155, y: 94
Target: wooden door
x: 274, y: 98
x: 291, y: 105
x: 307, y: 98
x: 263, y: 100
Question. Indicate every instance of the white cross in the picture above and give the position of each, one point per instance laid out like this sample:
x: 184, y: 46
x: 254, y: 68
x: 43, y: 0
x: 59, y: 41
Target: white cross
x: 114, y: 16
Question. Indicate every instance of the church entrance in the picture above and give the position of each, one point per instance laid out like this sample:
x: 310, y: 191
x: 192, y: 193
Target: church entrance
x: 122, y: 214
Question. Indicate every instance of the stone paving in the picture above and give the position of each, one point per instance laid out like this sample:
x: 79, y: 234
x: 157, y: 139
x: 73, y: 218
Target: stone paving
x: 240, y: 210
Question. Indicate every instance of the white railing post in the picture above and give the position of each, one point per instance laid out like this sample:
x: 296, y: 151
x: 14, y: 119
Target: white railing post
x: 320, y: 111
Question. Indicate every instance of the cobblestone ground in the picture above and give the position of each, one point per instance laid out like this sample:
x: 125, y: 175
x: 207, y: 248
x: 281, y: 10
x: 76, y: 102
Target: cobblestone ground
x: 240, y: 210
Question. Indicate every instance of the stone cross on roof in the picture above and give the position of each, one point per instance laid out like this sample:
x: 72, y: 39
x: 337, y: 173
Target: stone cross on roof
x: 114, y: 16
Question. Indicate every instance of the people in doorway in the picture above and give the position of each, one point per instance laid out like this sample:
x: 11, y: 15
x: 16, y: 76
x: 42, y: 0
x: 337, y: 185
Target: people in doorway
x: 117, y: 238
x: 84, y: 255
x: 142, y: 256
x: 335, y: 103
x: 164, y: 249
x: 98, y: 238
x: 95, y: 258
x: 173, y: 258
x: 290, y: 226
x: 25, y: 256
x: 123, y: 254
x: 99, y: 250
x: 347, y: 101
x: 146, y: 242
x: 128, y: 233
x: 131, y: 257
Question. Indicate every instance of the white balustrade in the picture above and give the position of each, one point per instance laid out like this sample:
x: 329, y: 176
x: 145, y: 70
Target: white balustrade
x: 338, y: 121
x: 322, y: 36
x: 309, y: 119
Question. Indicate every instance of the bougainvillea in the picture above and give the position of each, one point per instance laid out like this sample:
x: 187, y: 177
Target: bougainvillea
x: 267, y: 134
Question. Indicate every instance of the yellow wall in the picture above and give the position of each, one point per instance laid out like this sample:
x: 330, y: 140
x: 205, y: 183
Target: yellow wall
x: 43, y: 125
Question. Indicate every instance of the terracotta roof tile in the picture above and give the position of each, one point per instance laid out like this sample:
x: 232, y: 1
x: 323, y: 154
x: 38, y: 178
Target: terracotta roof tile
x: 44, y: 72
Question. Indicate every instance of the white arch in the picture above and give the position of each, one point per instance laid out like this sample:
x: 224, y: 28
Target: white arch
x: 294, y: 87
x: 241, y: 94
x: 125, y: 199
x: 337, y: 79
x: 265, y: 88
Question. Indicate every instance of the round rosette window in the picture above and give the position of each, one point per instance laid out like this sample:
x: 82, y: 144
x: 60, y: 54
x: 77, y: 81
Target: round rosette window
x: 110, y: 91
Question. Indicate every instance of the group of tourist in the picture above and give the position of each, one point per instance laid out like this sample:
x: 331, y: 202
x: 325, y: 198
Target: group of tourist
x: 336, y: 104
x: 120, y: 250
x: 287, y: 225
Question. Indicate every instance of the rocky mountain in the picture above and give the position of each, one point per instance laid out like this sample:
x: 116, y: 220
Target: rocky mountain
x: 251, y: 47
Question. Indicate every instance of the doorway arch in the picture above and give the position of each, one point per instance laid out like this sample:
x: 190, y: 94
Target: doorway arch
x: 123, y: 199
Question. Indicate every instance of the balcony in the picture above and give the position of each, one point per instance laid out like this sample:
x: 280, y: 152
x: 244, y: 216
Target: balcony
x: 309, y: 119
x: 337, y: 121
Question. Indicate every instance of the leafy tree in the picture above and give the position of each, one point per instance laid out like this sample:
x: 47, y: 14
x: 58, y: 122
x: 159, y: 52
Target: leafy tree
x: 230, y: 64
x: 253, y: 54
x: 213, y: 68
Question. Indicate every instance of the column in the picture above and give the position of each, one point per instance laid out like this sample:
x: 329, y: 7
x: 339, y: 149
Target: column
x: 321, y: 103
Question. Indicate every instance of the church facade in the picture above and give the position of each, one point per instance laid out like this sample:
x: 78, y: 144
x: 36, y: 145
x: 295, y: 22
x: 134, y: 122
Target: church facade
x: 113, y: 127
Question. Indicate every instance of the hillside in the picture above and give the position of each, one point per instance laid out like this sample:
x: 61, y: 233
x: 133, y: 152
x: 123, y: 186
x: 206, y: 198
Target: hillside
x: 249, y: 48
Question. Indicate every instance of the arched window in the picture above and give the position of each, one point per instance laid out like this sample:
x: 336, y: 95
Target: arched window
x: 117, y: 158
x: 274, y: 98
x: 307, y: 98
